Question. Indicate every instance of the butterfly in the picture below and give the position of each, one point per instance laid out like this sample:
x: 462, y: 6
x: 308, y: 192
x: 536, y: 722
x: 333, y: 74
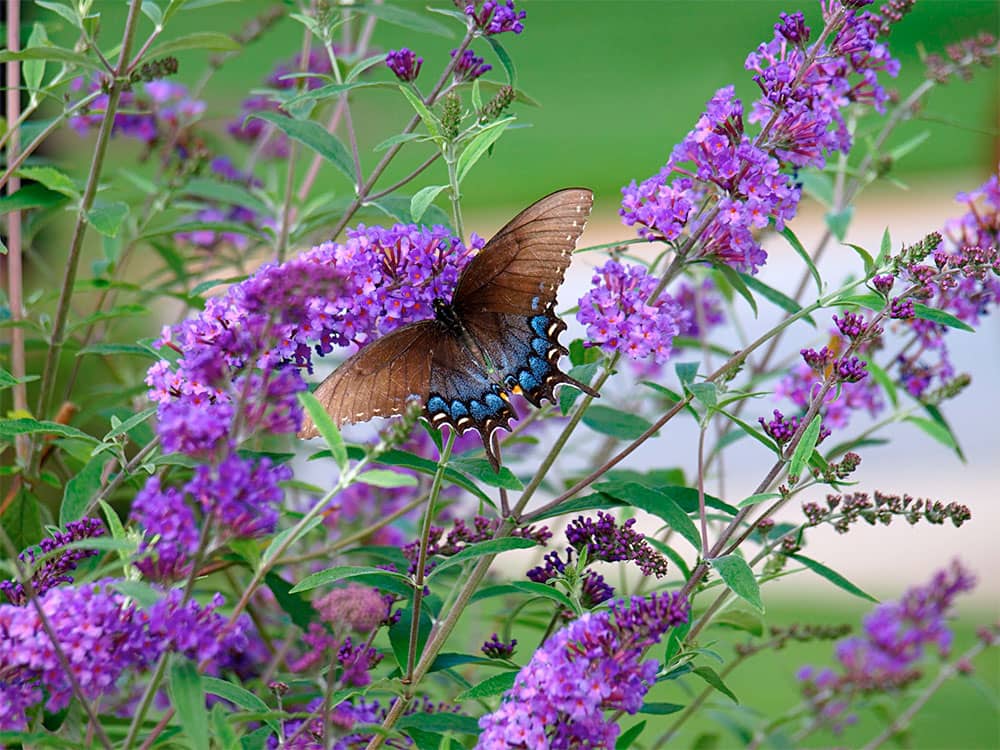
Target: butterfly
x: 498, y: 335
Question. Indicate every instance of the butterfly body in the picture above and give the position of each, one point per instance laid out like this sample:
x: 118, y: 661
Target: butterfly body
x: 498, y: 335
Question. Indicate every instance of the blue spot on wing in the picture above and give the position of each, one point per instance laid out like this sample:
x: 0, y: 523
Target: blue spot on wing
x: 539, y: 324
x: 437, y: 405
x: 527, y: 381
x: 479, y: 412
x: 541, y: 346
x: 458, y: 410
x: 539, y: 367
x: 493, y: 402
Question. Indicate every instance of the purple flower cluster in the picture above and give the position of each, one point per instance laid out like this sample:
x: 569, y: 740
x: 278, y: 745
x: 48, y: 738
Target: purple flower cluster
x: 494, y: 648
x: 404, y: 63
x: 170, y: 532
x: 355, y: 608
x: 160, y: 109
x: 104, y: 637
x: 469, y: 66
x: 804, y: 88
x: 495, y: 17
x: 619, y: 317
x: 703, y: 307
x: 781, y: 429
x: 56, y: 569
x: 719, y: 185
x: 351, y: 664
x: 887, y: 654
x: 606, y: 540
x: 593, y: 665
x: 855, y: 392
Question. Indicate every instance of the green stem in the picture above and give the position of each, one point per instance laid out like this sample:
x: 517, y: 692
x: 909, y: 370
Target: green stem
x: 80, y: 229
x: 454, y: 192
x: 425, y: 533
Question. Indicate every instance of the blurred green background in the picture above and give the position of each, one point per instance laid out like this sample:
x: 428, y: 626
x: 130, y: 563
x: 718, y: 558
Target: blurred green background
x: 619, y: 83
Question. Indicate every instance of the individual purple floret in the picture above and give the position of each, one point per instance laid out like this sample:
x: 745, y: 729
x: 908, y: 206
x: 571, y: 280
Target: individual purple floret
x: 494, y: 17
x: 604, y: 539
x: 469, y: 66
x: 592, y: 666
x: 883, y: 284
x: 886, y: 655
x: 619, y: 317
x: 494, y: 648
x: 850, y: 324
x: 56, y: 569
x: 404, y: 63
x: 901, y: 309
x: 851, y: 370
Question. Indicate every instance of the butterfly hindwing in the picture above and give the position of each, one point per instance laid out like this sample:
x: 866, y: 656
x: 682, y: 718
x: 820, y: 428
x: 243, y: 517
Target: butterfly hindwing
x: 520, y: 269
x: 381, y: 378
x: 463, y: 396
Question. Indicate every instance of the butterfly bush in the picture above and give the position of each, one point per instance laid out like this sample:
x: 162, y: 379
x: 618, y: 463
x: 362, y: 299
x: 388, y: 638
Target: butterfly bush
x: 591, y: 666
x: 346, y: 577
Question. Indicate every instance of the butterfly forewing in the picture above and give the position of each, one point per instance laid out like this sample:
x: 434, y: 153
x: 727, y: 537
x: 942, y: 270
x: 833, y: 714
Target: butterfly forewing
x: 381, y: 378
x: 520, y: 269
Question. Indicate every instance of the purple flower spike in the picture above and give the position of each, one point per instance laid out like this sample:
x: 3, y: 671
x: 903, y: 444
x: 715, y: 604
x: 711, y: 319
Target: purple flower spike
x: 793, y: 28
x: 404, y: 63
x: 605, y: 540
x: 56, y: 570
x: 591, y: 666
x: 496, y: 17
x: 469, y: 67
x: 494, y: 648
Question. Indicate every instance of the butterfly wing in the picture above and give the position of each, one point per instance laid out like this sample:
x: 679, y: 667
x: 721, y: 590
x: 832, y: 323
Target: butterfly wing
x: 464, y: 397
x: 519, y: 271
x: 382, y: 377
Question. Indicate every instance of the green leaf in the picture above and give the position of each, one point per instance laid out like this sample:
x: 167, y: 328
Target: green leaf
x: 9, y: 428
x: 479, y: 549
x: 30, y: 196
x: 363, y: 65
x: 34, y: 70
x: 751, y: 431
x: 9, y: 381
x: 424, y: 466
x: 22, y: 521
x: 805, y: 447
x: 331, y: 90
x: 935, y: 430
x: 759, y: 498
x: 595, y: 501
x: 789, y: 235
x: 387, y: 478
x: 544, y: 591
x: 740, y: 619
x: 51, y: 178
x: 505, y: 60
x: 479, y: 146
x: 140, y: 592
x: 440, y: 722
x: 226, y: 192
x: 833, y: 577
x: 315, y: 137
x: 771, y: 294
x: 152, y: 11
x: 618, y: 424
x: 406, y: 18
x: 839, y: 221
x: 326, y: 427
x: 495, y: 685
x: 710, y: 676
x: 399, y: 635
x: 423, y: 198
x: 870, y: 300
x: 296, y: 607
x: 51, y: 53
x: 660, y: 505
x: 865, y: 256
x: 935, y: 315
x: 706, y: 393
x: 431, y: 122
x: 399, y: 138
x: 938, y: 418
x: 884, y: 249
x: 210, y: 40
x: 738, y: 576
x: 239, y: 696
x: 629, y: 736
x: 736, y: 282
x: 481, y: 469
x: 107, y: 219
x: 107, y: 350
x: 881, y: 377
x: 80, y: 489
x: 660, y: 709
x: 340, y: 573
x: 188, y: 699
